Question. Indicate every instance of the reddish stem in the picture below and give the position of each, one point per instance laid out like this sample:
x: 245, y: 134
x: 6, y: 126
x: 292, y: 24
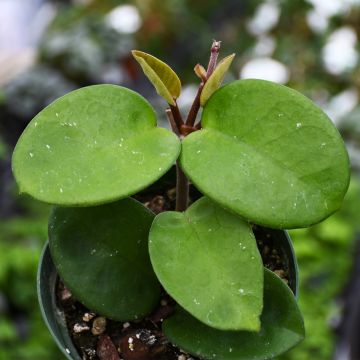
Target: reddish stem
x: 177, y: 115
x: 172, y: 122
x: 215, y: 48
x: 181, y: 129
x: 190, y: 121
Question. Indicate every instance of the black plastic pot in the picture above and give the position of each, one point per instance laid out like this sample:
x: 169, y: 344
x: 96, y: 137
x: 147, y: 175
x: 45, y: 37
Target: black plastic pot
x: 55, y: 318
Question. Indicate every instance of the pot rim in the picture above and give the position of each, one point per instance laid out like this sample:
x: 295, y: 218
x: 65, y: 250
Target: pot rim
x: 53, y: 318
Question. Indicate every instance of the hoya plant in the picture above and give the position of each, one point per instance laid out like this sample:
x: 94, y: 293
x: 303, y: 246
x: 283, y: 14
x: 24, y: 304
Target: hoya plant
x: 261, y: 154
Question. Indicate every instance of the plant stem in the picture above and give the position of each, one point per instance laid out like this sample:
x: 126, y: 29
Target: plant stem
x: 172, y: 122
x: 182, y: 189
x: 190, y: 121
x: 182, y: 182
x: 181, y: 129
x: 215, y: 48
x: 176, y: 115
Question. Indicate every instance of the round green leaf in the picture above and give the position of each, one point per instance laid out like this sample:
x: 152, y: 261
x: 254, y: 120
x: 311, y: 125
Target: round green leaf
x: 282, y: 328
x: 93, y: 145
x: 101, y: 253
x: 269, y: 154
x: 207, y: 260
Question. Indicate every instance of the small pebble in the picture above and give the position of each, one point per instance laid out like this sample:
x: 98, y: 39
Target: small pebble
x: 91, y: 353
x: 133, y: 348
x: 79, y: 328
x: 161, y: 313
x: 88, y: 316
x: 99, y: 325
x: 266, y: 250
x: 65, y: 294
x: 280, y: 273
x: 156, y: 204
x: 171, y: 194
x: 106, y: 349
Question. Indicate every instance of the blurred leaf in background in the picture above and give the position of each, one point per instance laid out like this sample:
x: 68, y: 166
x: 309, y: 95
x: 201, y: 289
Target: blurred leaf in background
x: 325, y: 255
x: 23, y: 334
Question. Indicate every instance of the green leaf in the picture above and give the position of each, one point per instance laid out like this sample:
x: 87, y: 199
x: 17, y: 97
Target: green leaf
x: 207, y: 260
x: 93, y: 145
x: 215, y: 79
x: 282, y: 328
x: 269, y: 154
x: 101, y: 253
x: 164, y: 79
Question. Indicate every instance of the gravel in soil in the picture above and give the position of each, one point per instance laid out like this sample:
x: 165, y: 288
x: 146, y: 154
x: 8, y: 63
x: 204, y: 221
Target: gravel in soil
x: 98, y: 338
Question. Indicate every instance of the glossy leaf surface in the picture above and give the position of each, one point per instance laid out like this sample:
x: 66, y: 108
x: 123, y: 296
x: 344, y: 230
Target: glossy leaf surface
x: 215, y: 79
x: 207, y: 260
x: 93, y: 145
x: 101, y: 253
x: 269, y: 154
x: 164, y: 79
x: 282, y: 328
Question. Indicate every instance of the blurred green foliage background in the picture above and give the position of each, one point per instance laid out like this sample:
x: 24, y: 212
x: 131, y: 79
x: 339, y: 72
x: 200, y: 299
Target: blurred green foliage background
x: 310, y: 45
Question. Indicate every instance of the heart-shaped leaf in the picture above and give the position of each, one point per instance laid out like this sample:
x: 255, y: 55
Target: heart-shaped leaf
x: 282, y: 328
x: 93, y: 145
x: 215, y: 79
x: 164, y: 79
x: 269, y: 154
x: 101, y: 253
x: 207, y: 260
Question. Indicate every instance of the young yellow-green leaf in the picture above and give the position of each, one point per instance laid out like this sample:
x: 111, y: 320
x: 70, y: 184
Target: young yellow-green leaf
x: 207, y: 260
x: 269, y: 154
x: 164, y: 79
x: 94, y: 145
x: 282, y: 327
x: 200, y: 71
x: 215, y: 79
x: 101, y: 253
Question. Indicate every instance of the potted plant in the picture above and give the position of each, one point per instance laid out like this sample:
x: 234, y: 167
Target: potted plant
x: 261, y: 154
